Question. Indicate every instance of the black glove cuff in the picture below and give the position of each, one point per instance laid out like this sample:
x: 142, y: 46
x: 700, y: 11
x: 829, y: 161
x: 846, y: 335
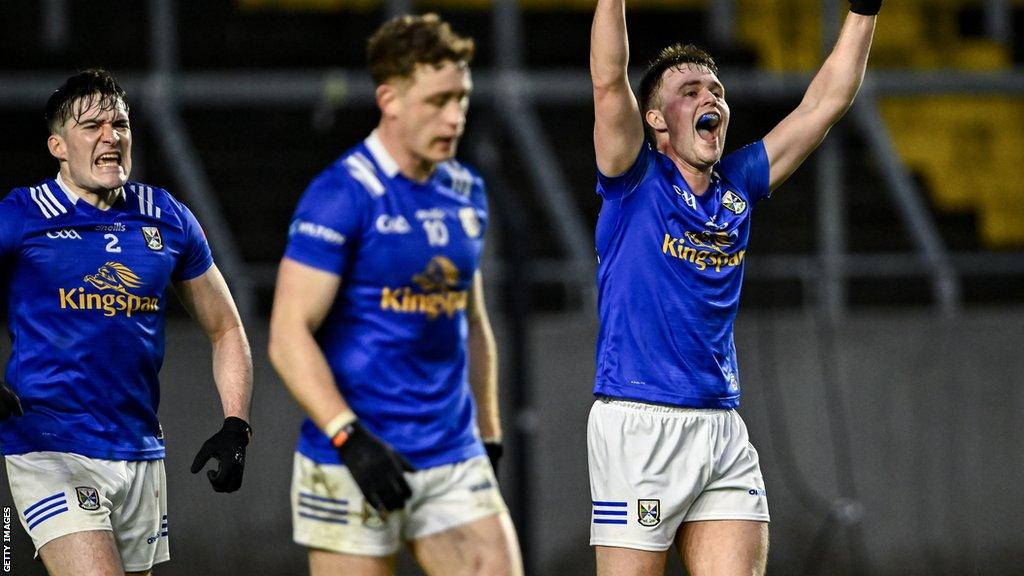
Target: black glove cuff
x: 235, y: 424
x: 865, y: 7
x: 495, y: 450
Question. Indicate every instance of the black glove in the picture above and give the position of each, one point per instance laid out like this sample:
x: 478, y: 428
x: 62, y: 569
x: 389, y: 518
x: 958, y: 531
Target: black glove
x: 228, y: 447
x: 9, y: 403
x: 376, y: 467
x: 865, y: 7
x: 494, y: 452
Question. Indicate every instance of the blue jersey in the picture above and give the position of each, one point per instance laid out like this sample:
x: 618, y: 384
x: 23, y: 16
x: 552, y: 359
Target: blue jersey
x: 671, y: 266
x: 86, y: 298
x: 395, y: 337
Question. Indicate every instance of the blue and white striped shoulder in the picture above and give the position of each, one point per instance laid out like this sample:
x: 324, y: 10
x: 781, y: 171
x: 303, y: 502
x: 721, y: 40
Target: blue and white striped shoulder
x: 142, y: 196
x: 460, y: 178
x: 48, y: 203
x: 365, y: 172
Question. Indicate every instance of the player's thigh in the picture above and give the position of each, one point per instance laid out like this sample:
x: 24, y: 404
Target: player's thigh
x: 484, y: 547
x: 615, y: 561
x: 325, y: 563
x: 724, y: 547
x: 140, y: 522
x: 57, y: 494
x: 89, y: 553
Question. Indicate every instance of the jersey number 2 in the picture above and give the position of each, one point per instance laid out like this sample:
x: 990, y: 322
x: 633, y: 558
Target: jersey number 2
x: 112, y: 244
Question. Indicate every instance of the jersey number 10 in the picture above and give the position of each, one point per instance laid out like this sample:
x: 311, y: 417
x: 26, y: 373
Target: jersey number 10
x: 437, y: 232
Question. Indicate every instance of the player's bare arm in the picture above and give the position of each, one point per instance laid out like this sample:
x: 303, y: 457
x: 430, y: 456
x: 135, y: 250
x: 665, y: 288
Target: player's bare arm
x: 209, y: 301
x: 618, y: 130
x: 303, y: 297
x: 483, y: 363
x: 829, y: 95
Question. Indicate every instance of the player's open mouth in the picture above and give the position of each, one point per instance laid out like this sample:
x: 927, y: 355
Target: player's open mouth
x: 109, y: 160
x: 707, y: 126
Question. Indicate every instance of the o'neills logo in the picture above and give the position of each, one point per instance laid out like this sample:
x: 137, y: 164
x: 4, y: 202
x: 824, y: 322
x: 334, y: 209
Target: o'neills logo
x: 109, y: 293
x: 436, y: 294
x: 703, y: 250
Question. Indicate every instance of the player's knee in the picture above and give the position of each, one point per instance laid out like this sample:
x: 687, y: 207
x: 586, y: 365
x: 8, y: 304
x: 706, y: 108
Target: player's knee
x: 497, y: 561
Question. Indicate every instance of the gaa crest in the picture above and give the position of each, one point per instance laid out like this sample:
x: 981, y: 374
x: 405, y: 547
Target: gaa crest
x: 649, y: 512
x: 152, y: 236
x: 88, y: 498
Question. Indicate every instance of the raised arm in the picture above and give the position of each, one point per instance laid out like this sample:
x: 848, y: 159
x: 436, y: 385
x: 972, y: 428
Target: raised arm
x: 618, y: 129
x: 827, y: 98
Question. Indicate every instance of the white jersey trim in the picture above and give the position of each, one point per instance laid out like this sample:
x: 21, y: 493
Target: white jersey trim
x: 361, y: 169
x: 380, y: 154
x: 44, y: 207
x: 462, y: 179
x: 146, y: 205
x: 72, y: 197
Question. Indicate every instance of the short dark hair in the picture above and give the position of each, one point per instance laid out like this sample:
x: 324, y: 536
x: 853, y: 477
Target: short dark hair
x: 671, y: 57
x: 401, y: 43
x: 94, y: 86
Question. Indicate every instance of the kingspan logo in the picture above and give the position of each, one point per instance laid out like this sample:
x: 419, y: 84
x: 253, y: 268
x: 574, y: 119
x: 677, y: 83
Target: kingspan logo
x: 109, y: 293
x: 436, y: 294
x: 704, y: 249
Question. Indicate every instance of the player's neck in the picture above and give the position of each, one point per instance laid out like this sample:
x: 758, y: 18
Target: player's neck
x: 99, y: 199
x: 698, y: 179
x: 409, y: 165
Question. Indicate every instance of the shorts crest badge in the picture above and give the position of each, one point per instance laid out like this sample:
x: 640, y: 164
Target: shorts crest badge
x: 153, y: 239
x: 733, y: 203
x: 649, y: 512
x: 88, y: 498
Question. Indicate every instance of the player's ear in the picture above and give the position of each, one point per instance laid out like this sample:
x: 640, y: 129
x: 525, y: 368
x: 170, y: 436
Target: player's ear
x: 387, y: 99
x: 58, y: 148
x: 656, y: 120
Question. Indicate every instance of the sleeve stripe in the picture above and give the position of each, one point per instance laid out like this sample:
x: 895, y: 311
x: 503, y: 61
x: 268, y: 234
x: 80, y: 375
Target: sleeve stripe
x: 462, y: 180
x: 42, y: 206
x: 52, y: 200
x: 361, y: 169
x: 145, y: 194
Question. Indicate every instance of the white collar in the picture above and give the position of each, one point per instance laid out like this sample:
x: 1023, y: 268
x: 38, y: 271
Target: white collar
x: 386, y: 162
x: 72, y: 197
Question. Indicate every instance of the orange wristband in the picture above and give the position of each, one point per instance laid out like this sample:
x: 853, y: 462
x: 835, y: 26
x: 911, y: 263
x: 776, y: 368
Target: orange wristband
x: 335, y: 429
x: 340, y: 438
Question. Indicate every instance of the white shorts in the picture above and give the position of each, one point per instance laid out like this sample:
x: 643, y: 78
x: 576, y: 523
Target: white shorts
x: 654, y: 467
x: 330, y: 513
x: 58, y: 493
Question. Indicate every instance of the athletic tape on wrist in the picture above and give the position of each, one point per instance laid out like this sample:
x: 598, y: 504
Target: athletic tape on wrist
x: 338, y: 424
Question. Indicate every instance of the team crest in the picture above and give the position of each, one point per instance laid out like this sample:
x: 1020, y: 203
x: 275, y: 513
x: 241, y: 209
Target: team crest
x: 734, y: 203
x: 470, y: 221
x: 649, y: 512
x: 88, y: 498
x: 153, y: 239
